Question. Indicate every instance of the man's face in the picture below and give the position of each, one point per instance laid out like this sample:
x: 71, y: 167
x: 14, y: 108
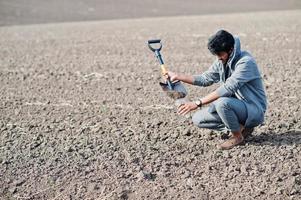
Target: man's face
x: 223, y: 56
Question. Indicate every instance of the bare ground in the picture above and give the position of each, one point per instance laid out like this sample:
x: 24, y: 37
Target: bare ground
x: 82, y: 115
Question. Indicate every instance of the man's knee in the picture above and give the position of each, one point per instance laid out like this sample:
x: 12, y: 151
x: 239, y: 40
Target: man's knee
x: 222, y: 103
x: 196, y: 118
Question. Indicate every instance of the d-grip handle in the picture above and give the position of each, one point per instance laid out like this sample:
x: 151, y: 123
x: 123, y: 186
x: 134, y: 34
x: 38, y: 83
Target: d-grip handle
x: 154, y: 41
x: 151, y: 46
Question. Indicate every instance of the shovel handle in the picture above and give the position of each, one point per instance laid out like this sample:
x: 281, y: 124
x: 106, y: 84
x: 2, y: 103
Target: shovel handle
x: 159, y: 57
x: 164, y: 72
x: 156, y: 41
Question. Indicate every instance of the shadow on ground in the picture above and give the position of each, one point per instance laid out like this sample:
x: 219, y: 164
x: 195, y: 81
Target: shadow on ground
x: 276, y: 139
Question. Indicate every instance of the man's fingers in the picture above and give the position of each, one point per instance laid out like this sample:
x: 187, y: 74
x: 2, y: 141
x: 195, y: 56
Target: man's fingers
x: 187, y: 111
x: 179, y: 106
x: 182, y: 107
x: 183, y: 110
x: 169, y: 77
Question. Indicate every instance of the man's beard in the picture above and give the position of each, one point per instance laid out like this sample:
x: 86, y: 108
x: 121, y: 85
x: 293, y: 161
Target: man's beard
x: 225, y: 62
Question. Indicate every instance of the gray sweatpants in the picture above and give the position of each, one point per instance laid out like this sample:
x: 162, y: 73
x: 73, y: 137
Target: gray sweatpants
x: 228, y: 113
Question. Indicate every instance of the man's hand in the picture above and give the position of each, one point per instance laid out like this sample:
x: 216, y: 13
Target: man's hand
x: 186, y: 108
x: 173, y: 76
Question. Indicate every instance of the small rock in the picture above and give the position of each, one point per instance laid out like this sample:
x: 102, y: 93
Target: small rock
x: 208, y: 167
x: 279, y: 191
x: 227, y: 154
x: 187, y: 132
x: 186, y: 174
x: 5, y: 162
x: 93, y: 187
x: 298, y: 180
x: 69, y: 149
x: 210, y: 137
x: 294, y: 191
x: 146, y: 175
x: 175, y: 134
x: 244, y: 168
x: 123, y: 195
x: 190, y: 182
x: 19, y: 182
x: 12, y: 189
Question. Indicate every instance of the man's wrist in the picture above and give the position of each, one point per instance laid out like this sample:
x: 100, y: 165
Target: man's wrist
x: 199, y: 103
x: 178, y: 77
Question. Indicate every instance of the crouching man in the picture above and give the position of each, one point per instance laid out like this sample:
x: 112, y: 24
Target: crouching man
x: 239, y: 103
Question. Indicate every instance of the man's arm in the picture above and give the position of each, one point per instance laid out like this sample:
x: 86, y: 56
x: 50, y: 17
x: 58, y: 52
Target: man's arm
x: 187, y: 107
x: 210, y: 98
x: 181, y: 77
x: 186, y: 78
x: 207, y: 78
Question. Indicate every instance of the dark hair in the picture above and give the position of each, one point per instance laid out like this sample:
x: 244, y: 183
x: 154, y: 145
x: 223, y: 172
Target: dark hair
x: 221, y: 41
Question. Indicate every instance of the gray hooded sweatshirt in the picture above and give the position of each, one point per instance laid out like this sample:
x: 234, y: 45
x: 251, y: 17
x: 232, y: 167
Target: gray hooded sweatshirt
x: 243, y: 81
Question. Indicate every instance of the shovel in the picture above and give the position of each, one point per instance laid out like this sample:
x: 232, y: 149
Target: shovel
x: 175, y: 90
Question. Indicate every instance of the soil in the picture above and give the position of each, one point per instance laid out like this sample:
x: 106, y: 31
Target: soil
x: 82, y: 115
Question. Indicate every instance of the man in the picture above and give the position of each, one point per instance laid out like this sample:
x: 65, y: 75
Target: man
x: 239, y: 103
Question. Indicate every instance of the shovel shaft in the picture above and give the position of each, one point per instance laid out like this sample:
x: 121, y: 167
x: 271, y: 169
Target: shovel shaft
x: 169, y: 83
x: 159, y: 58
x: 163, y: 69
x: 164, y: 72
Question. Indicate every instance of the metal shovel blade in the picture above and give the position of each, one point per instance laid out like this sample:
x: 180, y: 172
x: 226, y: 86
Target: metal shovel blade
x: 178, y: 91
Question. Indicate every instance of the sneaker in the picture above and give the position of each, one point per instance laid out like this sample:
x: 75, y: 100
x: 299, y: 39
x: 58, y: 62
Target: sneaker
x: 230, y: 143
